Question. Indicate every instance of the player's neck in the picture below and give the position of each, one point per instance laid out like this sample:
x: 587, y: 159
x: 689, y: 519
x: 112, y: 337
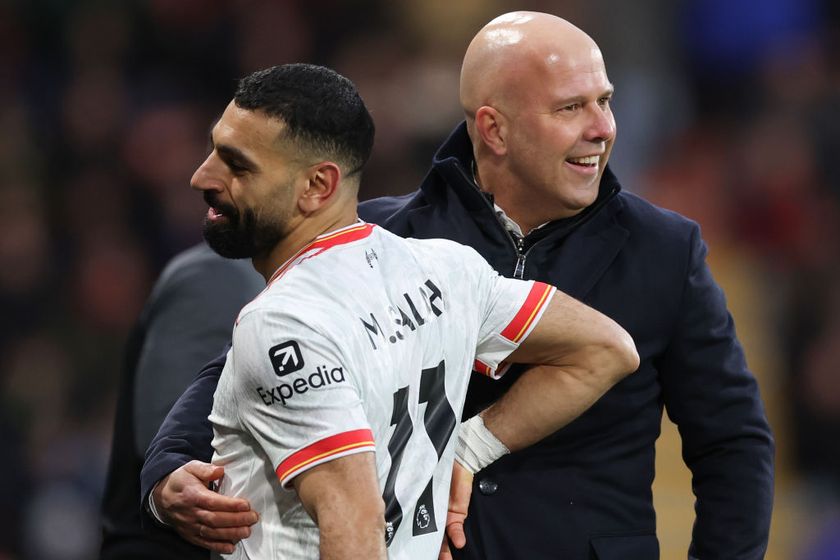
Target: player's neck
x: 298, y: 238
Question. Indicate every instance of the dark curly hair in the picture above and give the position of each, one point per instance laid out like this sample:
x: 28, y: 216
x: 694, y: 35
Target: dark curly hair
x: 321, y: 109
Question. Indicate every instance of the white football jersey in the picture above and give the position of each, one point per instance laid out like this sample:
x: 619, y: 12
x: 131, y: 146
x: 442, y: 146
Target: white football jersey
x: 361, y: 342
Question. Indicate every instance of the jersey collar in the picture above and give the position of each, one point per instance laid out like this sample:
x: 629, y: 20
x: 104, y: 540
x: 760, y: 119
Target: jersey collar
x: 325, y: 241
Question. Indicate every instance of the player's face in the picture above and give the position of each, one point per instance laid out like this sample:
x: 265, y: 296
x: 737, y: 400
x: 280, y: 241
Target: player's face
x: 562, y: 130
x: 249, y: 182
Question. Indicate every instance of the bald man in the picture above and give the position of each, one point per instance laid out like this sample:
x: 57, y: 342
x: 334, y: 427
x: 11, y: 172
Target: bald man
x: 525, y: 182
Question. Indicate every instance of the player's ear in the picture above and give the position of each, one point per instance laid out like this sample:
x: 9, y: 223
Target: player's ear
x: 491, y: 126
x: 322, y: 181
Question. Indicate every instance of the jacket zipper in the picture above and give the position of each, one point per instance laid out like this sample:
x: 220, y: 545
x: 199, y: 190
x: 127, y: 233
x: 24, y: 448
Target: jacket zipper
x: 519, y: 269
x: 517, y: 242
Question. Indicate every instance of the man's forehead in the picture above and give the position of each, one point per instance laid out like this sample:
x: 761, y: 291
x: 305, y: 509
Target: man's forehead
x: 579, y: 57
x: 243, y: 125
x: 576, y: 69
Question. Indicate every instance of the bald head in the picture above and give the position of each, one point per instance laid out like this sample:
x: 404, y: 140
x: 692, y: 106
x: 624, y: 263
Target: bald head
x: 537, y: 101
x: 516, y: 49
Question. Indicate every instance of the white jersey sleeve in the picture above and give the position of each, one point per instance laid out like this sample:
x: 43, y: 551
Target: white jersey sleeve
x: 512, y: 308
x: 294, y: 393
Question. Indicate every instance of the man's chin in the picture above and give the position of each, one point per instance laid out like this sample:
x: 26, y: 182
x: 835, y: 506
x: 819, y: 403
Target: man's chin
x: 242, y: 240
x: 227, y: 251
x: 226, y: 244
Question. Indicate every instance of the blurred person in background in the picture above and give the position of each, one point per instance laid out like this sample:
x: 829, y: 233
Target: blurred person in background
x: 186, y: 321
x: 525, y: 182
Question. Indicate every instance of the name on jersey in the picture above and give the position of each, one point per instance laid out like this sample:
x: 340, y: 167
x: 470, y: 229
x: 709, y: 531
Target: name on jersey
x: 404, y: 317
x: 321, y: 377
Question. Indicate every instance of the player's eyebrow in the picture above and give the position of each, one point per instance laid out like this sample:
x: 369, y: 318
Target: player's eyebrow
x: 231, y: 155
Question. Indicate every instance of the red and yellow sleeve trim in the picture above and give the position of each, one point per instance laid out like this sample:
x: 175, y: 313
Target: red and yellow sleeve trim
x: 523, y: 322
x: 521, y: 325
x: 486, y: 370
x: 482, y: 368
x: 322, y: 450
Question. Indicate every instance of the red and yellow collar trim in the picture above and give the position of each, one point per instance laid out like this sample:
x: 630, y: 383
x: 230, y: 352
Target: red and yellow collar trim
x: 321, y: 243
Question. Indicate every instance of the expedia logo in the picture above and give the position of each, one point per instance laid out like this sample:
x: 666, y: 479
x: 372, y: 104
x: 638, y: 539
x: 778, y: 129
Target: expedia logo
x: 285, y: 358
x: 321, y: 377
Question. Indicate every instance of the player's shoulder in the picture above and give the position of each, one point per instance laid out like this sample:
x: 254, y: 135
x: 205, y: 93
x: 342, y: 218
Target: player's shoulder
x: 444, y: 249
x: 458, y: 267
x: 281, y: 303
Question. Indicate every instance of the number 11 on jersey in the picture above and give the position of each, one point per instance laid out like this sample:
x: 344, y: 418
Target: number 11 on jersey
x: 439, y: 422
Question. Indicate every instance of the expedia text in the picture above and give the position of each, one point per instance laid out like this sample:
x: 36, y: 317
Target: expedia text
x: 321, y: 377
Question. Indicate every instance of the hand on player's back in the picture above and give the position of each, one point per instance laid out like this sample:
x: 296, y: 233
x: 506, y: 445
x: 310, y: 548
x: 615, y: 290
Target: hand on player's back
x: 200, y: 515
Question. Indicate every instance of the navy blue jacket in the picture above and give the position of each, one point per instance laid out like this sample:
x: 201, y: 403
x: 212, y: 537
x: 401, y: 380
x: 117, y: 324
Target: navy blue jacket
x: 585, y: 492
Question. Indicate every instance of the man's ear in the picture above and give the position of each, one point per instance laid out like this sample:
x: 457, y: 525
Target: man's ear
x: 492, y: 129
x: 321, y: 185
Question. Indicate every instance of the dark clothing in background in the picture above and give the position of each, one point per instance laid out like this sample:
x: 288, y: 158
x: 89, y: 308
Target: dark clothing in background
x: 187, y: 321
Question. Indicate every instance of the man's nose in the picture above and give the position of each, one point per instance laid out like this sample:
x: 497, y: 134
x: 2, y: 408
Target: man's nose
x: 602, y: 124
x: 206, y: 177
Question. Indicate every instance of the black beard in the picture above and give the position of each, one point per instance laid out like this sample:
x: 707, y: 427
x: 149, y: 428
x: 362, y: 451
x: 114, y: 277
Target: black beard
x: 240, y: 236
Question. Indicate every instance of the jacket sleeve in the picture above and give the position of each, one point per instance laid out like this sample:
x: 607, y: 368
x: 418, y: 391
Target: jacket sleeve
x: 186, y: 432
x: 714, y: 400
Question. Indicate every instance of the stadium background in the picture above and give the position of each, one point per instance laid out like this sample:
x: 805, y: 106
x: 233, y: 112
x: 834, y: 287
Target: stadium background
x: 728, y: 111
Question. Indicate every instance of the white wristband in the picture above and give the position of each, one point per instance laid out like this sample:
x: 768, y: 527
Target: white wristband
x: 477, y: 446
x: 150, y: 503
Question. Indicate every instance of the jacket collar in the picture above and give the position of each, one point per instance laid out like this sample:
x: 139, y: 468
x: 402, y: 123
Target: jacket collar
x: 453, y: 162
x: 578, y: 263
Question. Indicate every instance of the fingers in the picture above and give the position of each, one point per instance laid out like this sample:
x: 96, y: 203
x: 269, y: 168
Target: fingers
x: 204, y: 498
x: 204, y: 471
x: 459, y: 501
x: 455, y: 533
x: 224, y: 547
x: 461, y: 489
x: 202, y: 530
x: 185, y: 488
x: 214, y: 538
x: 232, y: 535
x: 200, y: 515
x: 226, y: 520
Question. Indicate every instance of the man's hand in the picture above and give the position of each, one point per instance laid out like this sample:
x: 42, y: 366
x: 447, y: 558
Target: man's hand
x: 200, y: 515
x: 459, y: 501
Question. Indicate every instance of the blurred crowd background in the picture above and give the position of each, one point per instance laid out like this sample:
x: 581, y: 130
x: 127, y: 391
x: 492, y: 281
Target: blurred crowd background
x: 728, y: 111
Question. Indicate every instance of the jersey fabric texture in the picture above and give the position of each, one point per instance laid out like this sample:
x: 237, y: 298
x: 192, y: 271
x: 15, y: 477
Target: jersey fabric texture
x: 361, y: 342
